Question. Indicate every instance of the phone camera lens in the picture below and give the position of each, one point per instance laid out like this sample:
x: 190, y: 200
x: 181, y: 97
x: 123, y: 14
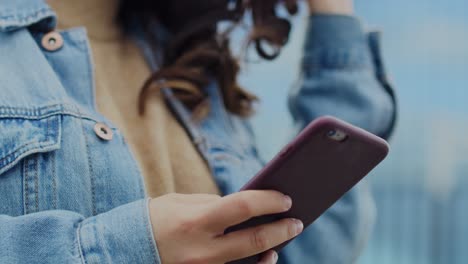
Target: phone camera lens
x: 337, y: 135
x: 331, y: 133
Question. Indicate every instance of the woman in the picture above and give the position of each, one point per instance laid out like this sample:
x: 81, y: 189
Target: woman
x: 72, y: 189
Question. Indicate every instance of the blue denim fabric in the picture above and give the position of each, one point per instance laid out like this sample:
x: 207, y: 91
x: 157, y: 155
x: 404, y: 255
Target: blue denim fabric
x: 67, y: 196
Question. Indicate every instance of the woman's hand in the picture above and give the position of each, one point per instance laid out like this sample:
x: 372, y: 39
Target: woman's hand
x: 189, y: 229
x: 341, y: 7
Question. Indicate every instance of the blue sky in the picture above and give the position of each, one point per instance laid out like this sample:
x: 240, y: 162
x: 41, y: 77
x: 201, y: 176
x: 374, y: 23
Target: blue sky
x: 426, y: 46
x: 426, y: 42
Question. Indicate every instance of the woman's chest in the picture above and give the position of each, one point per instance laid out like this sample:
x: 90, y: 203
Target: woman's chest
x: 168, y: 160
x: 53, y: 155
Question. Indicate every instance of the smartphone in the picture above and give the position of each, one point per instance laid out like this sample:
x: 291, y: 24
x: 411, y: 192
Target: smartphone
x: 316, y: 169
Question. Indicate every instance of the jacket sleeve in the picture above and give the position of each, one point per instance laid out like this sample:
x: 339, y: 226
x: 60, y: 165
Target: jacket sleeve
x: 122, y: 235
x: 342, y: 75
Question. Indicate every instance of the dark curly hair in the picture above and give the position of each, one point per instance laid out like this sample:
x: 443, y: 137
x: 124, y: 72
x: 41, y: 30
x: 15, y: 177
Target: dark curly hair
x: 194, y: 52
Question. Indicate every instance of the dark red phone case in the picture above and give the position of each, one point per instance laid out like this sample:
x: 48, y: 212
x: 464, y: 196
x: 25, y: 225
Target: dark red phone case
x: 316, y: 171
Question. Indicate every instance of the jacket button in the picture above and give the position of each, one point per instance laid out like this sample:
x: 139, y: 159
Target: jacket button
x: 52, y: 41
x: 103, y: 131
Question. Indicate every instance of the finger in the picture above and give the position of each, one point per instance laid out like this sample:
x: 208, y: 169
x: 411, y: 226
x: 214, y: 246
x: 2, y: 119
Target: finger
x: 269, y: 257
x: 195, y: 198
x: 239, y: 207
x: 252, y: 241
x: 204, y: 198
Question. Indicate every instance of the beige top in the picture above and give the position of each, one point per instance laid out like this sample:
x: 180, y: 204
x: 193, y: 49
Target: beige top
x: 167, y: 158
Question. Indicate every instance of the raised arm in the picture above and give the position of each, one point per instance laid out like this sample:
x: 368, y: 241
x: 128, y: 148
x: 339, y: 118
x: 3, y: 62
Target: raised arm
x: 342, y: 72
x: 342, y: 75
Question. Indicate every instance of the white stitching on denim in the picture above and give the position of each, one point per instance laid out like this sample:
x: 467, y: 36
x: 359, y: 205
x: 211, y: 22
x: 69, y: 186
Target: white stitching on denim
x: 24, y: 153
x: 54, y: 180
x: 36, y: 182
x: 19, y: 19
x: 80, y: 248
x: 91, y: 71
x: 25, y: 187
x: 38, y: 110
x: 7, y: 157
x: 90, y: 169
x: 38, y: 116
x: 46, y: 142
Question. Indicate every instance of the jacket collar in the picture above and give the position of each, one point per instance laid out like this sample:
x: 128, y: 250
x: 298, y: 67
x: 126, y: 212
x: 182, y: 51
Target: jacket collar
x: 16, y: 14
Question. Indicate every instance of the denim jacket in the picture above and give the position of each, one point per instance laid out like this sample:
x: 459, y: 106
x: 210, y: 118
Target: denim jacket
x: 68, y: 196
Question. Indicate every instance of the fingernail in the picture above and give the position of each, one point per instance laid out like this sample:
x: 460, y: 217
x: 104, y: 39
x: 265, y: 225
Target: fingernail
x: 287, y: 202
x: 299, y: 226
x: 275, y: 256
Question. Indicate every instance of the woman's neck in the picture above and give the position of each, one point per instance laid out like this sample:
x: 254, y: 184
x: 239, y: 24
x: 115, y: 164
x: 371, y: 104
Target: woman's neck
x: 98, y: 16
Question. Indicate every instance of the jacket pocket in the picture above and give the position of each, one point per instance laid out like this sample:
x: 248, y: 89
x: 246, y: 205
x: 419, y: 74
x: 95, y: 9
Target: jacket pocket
x: 24, y: 132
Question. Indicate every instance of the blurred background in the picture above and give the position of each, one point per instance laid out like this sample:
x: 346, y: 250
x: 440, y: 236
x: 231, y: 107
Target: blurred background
x: 421, y: 190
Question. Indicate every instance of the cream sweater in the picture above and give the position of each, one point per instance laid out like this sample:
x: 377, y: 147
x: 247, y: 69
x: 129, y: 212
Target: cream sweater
x: 166, y: 156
